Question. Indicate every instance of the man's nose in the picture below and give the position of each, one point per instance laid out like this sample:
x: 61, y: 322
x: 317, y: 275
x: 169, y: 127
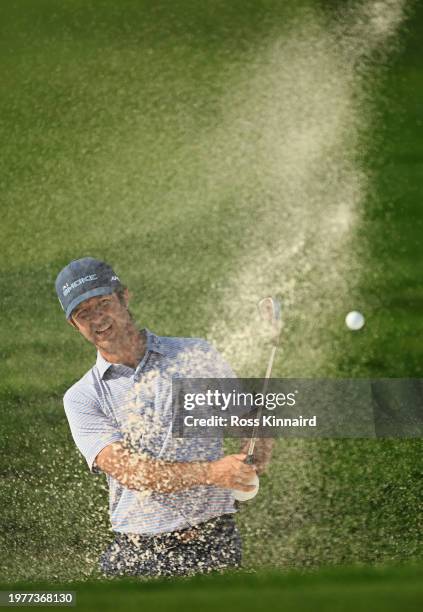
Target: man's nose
x: 96, y: 314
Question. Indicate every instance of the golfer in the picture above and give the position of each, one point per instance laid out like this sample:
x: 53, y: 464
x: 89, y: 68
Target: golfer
x: 170, y: 500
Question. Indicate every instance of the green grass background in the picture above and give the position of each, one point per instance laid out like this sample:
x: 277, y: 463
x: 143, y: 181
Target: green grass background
x: 334, y: 590
x: 103, y: 109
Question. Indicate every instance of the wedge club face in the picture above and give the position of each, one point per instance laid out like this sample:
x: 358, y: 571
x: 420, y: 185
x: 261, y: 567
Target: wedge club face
x: 270, y: 310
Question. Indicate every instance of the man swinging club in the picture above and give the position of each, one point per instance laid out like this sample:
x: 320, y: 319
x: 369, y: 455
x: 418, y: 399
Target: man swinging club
x: 171, y: 501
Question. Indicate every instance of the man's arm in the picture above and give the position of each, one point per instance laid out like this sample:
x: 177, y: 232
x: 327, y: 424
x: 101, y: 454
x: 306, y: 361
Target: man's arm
x: 135, y: 472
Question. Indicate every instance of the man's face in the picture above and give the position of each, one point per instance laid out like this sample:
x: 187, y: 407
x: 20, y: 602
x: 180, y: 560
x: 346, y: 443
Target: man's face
x: 102, y: 320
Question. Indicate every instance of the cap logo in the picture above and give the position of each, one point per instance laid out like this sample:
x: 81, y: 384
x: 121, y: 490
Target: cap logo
x: 84, y: 279
x: 115, y: 278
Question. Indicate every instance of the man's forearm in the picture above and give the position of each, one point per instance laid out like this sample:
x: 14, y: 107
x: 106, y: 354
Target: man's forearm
x: 136, y: 472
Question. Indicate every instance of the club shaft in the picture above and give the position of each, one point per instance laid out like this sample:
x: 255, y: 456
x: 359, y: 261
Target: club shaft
x: 265, y: 386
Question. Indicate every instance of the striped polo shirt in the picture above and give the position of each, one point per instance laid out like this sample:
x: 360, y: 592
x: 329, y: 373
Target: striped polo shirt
x: 114, y: 402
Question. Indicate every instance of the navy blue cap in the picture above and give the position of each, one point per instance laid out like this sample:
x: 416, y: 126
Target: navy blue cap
x: 83, y: 279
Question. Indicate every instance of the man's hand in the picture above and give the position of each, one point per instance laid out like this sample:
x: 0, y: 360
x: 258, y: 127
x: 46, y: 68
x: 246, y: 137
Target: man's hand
x: 231, y: 472
x: 262, y: 453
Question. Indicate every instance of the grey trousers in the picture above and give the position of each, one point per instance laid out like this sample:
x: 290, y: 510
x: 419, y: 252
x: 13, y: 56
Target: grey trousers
x: 212, y: 545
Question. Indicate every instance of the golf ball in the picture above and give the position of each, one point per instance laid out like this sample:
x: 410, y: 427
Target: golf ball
x: 246, y: 495
x: 354, y: 320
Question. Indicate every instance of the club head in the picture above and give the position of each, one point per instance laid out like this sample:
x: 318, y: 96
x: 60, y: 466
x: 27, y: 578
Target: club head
x: 270, y: 310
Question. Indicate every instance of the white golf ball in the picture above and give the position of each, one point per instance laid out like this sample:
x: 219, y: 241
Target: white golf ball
x: 246, y: 495
x: 354, y: 320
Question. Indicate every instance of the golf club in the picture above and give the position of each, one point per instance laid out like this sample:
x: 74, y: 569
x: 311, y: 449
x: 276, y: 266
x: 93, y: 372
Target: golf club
x: 270, y: 310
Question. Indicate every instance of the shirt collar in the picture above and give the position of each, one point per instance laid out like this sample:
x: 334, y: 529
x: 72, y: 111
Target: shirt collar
x: 154, y: 344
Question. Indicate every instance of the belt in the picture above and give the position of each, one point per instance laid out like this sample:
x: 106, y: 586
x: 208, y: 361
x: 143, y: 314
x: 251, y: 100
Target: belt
x: 184, y: 536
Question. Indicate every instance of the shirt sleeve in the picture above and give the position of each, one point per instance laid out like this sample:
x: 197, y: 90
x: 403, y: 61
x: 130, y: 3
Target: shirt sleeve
x: 220, y: 368
x: 91, y: 429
